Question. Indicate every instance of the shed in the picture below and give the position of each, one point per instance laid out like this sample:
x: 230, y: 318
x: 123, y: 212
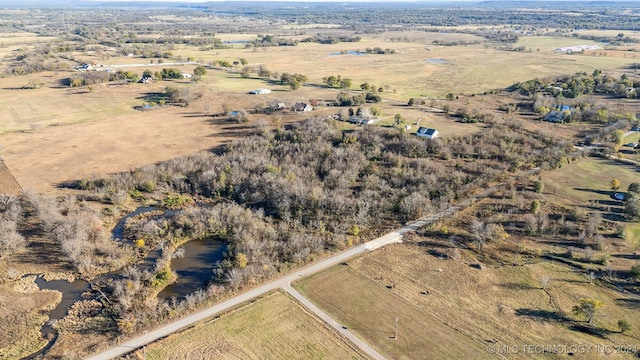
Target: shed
x: 429, y: 133
x: 259, y: 91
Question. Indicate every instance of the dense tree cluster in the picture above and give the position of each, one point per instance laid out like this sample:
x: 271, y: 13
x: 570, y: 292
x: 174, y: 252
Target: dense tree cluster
x: 11, y: 215
x: 270, y: 40
x: 294, y: 81
x: 582, y: 83
x: 348, y: 99
x: 305, y: 189
x: 75, y: 230
x: 42, y: 57
x: 334, y: 81
x: 331, y: 39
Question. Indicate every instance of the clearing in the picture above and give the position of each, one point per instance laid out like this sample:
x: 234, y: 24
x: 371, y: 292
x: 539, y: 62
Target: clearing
x: 272, y: 327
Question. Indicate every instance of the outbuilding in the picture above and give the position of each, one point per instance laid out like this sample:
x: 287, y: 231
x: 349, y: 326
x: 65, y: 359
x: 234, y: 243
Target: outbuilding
x: 259, y: 91
x: 429, y: 133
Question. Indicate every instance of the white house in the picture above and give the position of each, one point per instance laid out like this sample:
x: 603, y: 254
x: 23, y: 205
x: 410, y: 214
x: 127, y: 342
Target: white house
x: 361, y: 121
x: 259, y: 91
x: 300, y: 106
x: 429, y: 133
x: 576, y: 48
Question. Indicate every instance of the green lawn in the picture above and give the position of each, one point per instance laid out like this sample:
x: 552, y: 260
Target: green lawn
x: 589, y: 179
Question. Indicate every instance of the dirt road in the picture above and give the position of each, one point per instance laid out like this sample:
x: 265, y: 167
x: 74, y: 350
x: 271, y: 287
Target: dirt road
x: 334, y: 324
x: 284, y: 283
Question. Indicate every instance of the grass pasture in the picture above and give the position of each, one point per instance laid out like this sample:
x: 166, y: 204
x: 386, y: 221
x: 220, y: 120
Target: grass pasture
x: 588, y: 180
x: 469, y: 68
x: 41, y: 155
x: 495, y: 306
x: 272, y: 327
x: 369, y: 310
x: 10, y: 42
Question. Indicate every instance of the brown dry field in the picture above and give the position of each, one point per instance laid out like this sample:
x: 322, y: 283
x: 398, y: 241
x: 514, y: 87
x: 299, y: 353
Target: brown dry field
x: 369, y: 309
x: 447, y: 308
x: 8, y: 184
x: 272, y: 327
x: 70, y: 134
x: 108, y: 135
x: 105, y: 134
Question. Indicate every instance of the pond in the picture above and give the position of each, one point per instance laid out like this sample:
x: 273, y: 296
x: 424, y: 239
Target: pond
x: 118, y: 231
x: 350, y: 52
x: 436, y: 61
x: 231, y: 42
x: 195, y: 268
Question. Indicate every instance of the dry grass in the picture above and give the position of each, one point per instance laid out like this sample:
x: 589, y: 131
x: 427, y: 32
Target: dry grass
x: 588, y: 180
x: 369, y: 309
x: 21, y: 307
x: 497, y: 305
x: 8, y: 184
x: 110, y: 136
x: 273, y: 327
x: 472, y: 68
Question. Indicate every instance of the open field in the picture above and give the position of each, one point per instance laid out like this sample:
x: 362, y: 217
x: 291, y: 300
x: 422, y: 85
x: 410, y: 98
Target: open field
x: 487, y: 308
x: 11, y: 43
x: 469, y: 68
x: 108, y: 134
x: 369, y: 310
x: 41, y: 155
x: 612, y: 33
x: 588, y: 180
x: 8, y: 184
x: 272, y: 327
x: 472, y: 68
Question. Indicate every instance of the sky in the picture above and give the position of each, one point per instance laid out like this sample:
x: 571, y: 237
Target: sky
x: 341, y: 1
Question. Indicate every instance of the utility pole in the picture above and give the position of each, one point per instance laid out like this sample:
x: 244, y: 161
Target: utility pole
x: 396, y: 335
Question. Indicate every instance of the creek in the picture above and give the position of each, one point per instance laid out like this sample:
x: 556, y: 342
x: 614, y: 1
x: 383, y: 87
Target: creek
x: 194, y: 270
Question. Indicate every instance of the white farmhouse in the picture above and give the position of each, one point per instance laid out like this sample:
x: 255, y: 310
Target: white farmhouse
x: 429, y: 133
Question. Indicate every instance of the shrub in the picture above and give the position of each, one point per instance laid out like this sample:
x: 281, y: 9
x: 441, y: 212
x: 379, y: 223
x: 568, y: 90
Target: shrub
x: 147, y: 186
x: 624, y: 326
x: 535, y: 206
x: 538, y: 186
x: 635, y: 271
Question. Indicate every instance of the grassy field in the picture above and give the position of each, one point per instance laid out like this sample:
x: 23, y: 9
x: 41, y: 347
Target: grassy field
x: 369, y: 309
x: 469, y: 68
x: 588, y: 180
x: 448, y: 309
x: 41, y: 155
x: 8, y: 184
x: 10, y: 43
x: 273, y: 327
